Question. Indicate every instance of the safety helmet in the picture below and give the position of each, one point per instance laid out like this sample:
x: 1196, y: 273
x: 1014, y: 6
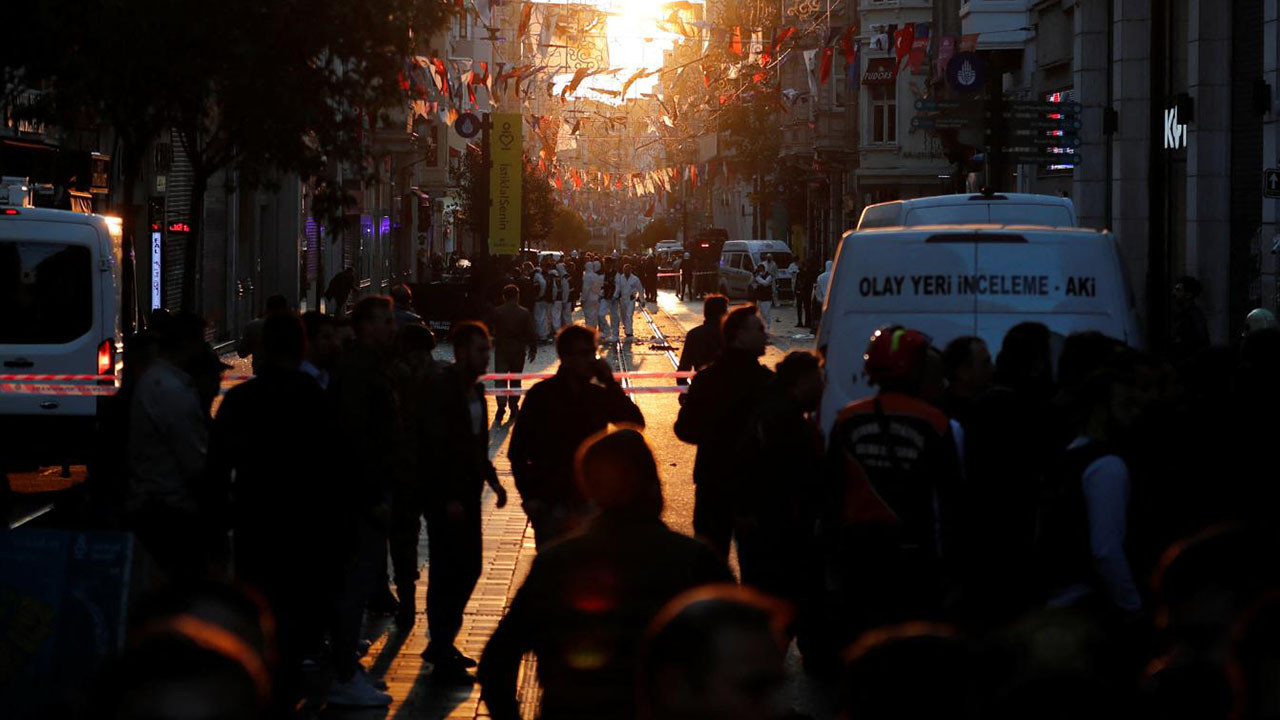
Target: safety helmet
x: 1260, y: 319
x: 895, y: 353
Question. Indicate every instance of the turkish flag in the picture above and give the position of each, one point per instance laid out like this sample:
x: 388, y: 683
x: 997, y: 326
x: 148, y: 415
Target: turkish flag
x: 902, y: 41
x: 735, y: 42
x: 824, y: 68
x: 847, y: 47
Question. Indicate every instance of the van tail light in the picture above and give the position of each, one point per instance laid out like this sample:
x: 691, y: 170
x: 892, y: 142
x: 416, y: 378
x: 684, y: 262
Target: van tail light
x: 107, y: 358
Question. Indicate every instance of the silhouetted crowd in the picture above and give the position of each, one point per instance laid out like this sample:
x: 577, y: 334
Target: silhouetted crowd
x: 1063, y: 527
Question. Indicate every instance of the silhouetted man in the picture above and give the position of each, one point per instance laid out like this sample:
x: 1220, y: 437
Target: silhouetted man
x: 514, y: 336
x: 702, y: 345
x: 559, y: 414
x: 587, y: 600
x: 282, y: 500
x: 714, y: 417
x: 455, y: 440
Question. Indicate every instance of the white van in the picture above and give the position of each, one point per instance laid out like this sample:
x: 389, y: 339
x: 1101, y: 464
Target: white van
x: 949, y: 281
x: 979, y: 208
x: 59, y: 294
x: 738, y: 260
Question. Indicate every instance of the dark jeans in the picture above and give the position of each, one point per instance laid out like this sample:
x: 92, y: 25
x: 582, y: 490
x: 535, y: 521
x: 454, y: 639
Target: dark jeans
x: 366, y: 555
x: 453, y: 531
x: 713, y: 519
x: 802, y: 309
x: 508, y: 361
x: 186, y: 547
x: 406, y: 528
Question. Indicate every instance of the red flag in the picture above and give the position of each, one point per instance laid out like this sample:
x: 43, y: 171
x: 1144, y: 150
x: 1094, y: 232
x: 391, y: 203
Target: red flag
x: 767, y: 56
x: 649, y: 213
x: 735, y: 42
x: 847, y: 47
x: 824, y: 69
x: 442, y: 75
x: 902, y: 40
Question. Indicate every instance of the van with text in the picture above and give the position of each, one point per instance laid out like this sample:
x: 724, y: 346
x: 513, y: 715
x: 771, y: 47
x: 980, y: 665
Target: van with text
x: 60, y: 294
x: 954, y: 280
x: 973, y: 208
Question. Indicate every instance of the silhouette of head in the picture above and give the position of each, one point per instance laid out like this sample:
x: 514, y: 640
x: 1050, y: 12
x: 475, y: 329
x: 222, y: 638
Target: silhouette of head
x: 616, y: 471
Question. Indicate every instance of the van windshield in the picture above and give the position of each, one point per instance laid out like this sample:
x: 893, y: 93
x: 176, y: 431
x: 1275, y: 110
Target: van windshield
x: 997, y: 213
x: 46, y: 290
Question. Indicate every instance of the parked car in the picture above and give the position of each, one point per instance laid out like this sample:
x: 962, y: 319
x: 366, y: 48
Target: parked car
x: 738, y: 261
x: 60, y: 290
x: 956, y: 280
x: 974, y: 209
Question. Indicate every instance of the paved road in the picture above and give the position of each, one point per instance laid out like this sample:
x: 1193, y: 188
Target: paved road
x: 508, y: 543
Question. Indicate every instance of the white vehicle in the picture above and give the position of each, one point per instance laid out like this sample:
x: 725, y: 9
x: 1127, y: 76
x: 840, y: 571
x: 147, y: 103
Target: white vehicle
x: 738, y: 261
x: 949, y: 281
x: 555, y: 255
x: 979, y: 208
x: 60, y: 293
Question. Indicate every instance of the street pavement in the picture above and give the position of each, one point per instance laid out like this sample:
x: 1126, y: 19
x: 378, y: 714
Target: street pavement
x: 508, y: 541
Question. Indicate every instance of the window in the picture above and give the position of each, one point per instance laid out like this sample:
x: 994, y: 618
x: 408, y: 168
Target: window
x: 48, y: 292
x: 884, y: 114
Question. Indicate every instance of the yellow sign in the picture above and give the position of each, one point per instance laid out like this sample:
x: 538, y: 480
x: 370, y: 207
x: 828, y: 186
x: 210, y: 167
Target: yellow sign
x: 506, y: 149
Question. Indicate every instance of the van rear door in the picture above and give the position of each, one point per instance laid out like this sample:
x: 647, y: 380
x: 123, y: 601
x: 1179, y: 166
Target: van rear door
x: 49, y: 289
x: 890, y: 278
x: 1070, y: 284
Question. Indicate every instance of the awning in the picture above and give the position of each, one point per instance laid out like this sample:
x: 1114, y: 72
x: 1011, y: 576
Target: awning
x: 880, y: 71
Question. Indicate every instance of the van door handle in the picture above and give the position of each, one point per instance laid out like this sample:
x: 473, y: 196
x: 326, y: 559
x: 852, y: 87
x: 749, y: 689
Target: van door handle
x: 21, y: 363
x: 48, y: 405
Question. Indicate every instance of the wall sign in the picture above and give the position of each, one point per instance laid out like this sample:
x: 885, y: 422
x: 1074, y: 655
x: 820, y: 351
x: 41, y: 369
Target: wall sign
x: 880, y: 71
x: 157, y: 270
x: 1175, y: 132
x: 966, y: 72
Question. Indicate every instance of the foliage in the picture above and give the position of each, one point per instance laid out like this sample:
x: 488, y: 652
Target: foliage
x: 259, y: 88
x: 653, y: 233
x: 538, y: 204
x: 569, y: 231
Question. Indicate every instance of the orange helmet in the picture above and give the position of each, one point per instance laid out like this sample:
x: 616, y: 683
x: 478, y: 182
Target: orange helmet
x: 895, y: 353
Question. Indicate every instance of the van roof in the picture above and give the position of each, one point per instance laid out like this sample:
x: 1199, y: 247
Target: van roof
x: 918, y: 233
x: 47, y: 214
x: 966, y: 198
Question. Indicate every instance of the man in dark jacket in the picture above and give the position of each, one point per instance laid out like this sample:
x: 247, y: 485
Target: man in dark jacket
x: 514, y: 335
x: 714, y: 417
x: 283, y: 507
x: 362, y: 393
x: 559, y: 414
x: 455, y: 439
x: 587, y: 600
x: 703, y: 344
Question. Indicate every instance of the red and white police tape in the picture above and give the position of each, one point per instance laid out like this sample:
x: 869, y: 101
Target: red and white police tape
x: 46, y: 384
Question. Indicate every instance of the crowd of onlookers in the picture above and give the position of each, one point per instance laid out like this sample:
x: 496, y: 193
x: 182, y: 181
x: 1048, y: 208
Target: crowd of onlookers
x: 1056, y: 527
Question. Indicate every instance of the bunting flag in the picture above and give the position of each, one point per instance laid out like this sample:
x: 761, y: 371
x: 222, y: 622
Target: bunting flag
x: 441, y: 76
x: 811, y: 66
x: 631, y: 80
x: 735, y: 42
x: 767, y: 57
x: 902, y: 40
x: 919, y: 46
x: 824, y: 72
x: 526, y: 13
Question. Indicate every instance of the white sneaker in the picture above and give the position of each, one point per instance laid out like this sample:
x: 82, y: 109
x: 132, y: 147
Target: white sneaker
x: 357, y: 693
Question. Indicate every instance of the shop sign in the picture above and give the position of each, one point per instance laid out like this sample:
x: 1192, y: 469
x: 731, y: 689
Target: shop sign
x: 1175, y: 133
x: 880, y: 71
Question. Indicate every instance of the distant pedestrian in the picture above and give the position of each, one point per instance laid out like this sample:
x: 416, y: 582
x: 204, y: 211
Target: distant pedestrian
x: 802, y: 284
x: 970, y: 373
x: 716, y: 653
x: 702, y: 344
x: 528, y: 288
x: 566, y: 296
x: 715, y: 416
x: 514, y: 338
x: 323, y: 346
x: 339, y: 290
x: 630, y: 291
x: 688, y: 276
x: 545, y: 303
x: 771, y: 267
x: 250, y: 343
x: 559, y: 414
x: 820, y: 294
x: 583, y: 608
x: 609, y: 305
x: 455, y: 438
x: 405, y: 313
x: 592, y: 286
x: 1189, y: 333
x: 762, y: 290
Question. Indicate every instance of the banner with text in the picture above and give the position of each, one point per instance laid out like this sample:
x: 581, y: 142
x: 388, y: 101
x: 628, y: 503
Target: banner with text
x: 506, y: 149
